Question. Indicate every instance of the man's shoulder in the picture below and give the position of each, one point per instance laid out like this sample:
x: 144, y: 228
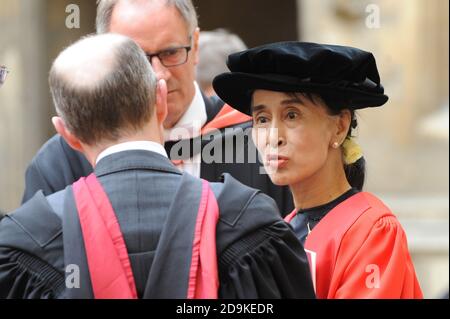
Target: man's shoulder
x: 55, y: 166
x: 234, y: 198
x: 243, y: 209
x: 31, y: 249
x: 55, y: 148
x: 214, y: 105
x: 55, y: 144
x: 56, y: 154
x: 35, y: 229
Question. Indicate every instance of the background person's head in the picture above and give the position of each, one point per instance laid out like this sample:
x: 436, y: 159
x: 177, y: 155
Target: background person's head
x: 105, y: 92
x: 214, y: 48
x: 159, y: 25
x: 303, y: 98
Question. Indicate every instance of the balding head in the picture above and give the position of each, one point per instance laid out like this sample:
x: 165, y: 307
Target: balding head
x: 89, y: 61
x: 103, y: 87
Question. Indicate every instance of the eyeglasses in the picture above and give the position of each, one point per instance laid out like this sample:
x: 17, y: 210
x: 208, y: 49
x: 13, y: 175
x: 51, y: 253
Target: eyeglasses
x: 172, y: 57
x: 3, y: 73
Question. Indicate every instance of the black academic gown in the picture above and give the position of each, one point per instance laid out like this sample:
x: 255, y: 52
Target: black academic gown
x: 57, y: 165
x: 258, y: 253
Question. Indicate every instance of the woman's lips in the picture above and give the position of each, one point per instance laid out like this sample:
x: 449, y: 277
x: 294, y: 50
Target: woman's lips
x: 276, y: 161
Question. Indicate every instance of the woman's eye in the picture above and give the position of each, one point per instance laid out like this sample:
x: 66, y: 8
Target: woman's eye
x: 261, y: 120
x: 292, y: 115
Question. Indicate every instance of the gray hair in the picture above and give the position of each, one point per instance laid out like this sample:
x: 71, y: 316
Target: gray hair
x: 106, y: 107
x: 105, y: 9
x: 215, y: 47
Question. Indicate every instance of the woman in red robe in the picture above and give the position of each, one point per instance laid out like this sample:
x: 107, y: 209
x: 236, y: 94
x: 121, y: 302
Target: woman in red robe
x: 303, y: 97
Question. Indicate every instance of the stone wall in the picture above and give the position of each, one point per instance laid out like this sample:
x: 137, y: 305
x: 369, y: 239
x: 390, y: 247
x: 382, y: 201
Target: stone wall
x: 32, y: 33
x: 23, y: 106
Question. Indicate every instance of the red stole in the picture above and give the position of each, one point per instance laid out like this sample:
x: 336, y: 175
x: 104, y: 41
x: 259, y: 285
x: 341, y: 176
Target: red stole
x: 225, y: 118
x: 108, y: 261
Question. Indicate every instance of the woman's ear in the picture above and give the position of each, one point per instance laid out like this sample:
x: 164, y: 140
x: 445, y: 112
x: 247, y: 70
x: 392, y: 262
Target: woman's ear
x: 344, y: 120
x: 61, y: 128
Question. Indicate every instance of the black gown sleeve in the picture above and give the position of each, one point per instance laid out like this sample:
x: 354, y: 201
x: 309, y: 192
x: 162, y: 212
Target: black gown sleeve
x: 31, y: 252
x: 54, y: 167
x: 269, y: 263
x: 23, y: 276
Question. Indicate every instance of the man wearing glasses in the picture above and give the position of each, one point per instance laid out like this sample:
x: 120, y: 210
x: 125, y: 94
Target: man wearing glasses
x: 167, y: 31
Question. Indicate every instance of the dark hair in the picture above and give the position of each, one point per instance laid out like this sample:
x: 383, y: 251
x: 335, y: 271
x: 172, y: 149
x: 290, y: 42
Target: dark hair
x: 356, y: 172
x: 121, y: 102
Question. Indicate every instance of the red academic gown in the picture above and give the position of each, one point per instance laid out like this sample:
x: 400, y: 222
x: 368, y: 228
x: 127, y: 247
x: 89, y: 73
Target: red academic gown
x: 359, y: 250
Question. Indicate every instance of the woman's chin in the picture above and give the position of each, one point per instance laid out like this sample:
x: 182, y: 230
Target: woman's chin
x: 280, y: 179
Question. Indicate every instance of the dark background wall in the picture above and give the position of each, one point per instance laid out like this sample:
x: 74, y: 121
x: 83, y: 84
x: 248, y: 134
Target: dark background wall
x: 255, y: 21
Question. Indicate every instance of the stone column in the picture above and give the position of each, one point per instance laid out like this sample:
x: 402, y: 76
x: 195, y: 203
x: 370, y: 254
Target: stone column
x: 32, y: 33
x: 23, y: 99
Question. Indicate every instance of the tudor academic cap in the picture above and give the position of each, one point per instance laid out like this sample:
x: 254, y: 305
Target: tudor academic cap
x: 345, y: 77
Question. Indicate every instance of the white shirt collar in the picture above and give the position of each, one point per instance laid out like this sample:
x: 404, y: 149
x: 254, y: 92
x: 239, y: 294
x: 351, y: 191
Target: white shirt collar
x: 192, y: 121
x: 134, y: 145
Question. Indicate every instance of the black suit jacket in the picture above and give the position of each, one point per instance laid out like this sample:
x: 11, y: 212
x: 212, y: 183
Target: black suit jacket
x: 57, y: 165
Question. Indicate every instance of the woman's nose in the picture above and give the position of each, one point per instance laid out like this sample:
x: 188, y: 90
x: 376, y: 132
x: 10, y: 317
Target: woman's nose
x: 276, y: 138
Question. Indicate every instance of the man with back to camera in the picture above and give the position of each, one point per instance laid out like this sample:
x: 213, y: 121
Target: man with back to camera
x: 167, y: 31
x: 137, y: 227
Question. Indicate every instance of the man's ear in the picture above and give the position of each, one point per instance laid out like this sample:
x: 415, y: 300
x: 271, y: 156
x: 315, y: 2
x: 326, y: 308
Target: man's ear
x: 161, y: 101
x: 195, y: 50
x: 62, y: 130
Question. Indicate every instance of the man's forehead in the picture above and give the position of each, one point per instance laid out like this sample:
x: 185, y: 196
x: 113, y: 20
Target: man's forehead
x: 154, y: 25
x: 133, y: 8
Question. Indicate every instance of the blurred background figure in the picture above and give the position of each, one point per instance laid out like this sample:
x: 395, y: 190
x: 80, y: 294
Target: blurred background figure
x: 215, y: 46
x: 3, y: 74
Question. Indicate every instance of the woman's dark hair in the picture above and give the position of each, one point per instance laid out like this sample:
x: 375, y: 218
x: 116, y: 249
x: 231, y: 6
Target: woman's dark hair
x: 356, y: 172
